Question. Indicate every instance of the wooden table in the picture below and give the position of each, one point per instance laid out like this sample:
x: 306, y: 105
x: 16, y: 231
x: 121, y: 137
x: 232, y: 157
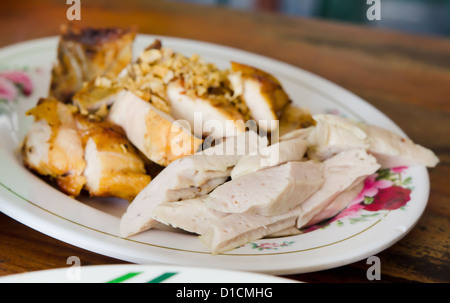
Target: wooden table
x: 405, y: 76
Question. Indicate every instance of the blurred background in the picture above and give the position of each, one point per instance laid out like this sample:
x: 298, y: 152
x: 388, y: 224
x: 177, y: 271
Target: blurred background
x: 430, y: 17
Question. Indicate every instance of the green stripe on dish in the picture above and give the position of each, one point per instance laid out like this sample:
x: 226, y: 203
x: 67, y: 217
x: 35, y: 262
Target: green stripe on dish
x: 162, y: 277
x: 124, y: 277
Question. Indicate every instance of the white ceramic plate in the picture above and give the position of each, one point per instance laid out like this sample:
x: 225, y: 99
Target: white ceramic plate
x: 93, y: 224
x: 146, y: 274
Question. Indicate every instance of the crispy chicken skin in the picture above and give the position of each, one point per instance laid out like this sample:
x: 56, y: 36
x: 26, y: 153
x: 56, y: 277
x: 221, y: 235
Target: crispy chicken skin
x: 80, y: 153
x: 85, y: 53
x: 263, y: 95
x: 294, y: 118
x: 113, y: 165
x: 218, y: 119
x: 53, y: 146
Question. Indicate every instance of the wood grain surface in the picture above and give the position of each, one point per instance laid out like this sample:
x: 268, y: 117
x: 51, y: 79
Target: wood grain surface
x: 405, y: 76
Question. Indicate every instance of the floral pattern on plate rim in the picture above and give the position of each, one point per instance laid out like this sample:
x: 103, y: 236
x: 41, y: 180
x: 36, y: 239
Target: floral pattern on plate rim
x: 13, y: 84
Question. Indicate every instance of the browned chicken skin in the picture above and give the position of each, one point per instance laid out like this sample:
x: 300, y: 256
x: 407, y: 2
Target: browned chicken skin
x: 86, y: 53
x: 53, y: 146
x: 113, y: 165
x: 81, y: 153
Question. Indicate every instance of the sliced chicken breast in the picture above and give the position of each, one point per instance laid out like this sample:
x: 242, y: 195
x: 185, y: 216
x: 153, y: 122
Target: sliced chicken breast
x: 273, y: 155
x: 220, y: 232
x: 152, y: 131
x: 301, y: 133
x: 190, y: 215
x: 185, y: 178
x: 333, y: 134
x: 53, y: 146
x: 234, y: 230
x: 263, y: 95
x: 270, y: 191
x: 342, y: 201
x: 114, y: 167
x: 393, y: 150
x: 206, y: 117
x: 340, y: 173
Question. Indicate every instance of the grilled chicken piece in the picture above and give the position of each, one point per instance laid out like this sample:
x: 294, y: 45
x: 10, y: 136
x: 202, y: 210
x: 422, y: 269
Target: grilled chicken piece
x: 185, y: 178
x: 152, y: 131
x: 53, y: 146
x: 207, y: 116
x: 270, y: 191
x: 95, y: 96
x: 340, y: 173
x: 85, y: 53
x: 273, y: 155
x: 392, y: 150
x: 342, y: 201
x: 220, y: 231
x: 263, y: 95
x: 294, y: 118
x: 114, y: 167
x: 333, y: 134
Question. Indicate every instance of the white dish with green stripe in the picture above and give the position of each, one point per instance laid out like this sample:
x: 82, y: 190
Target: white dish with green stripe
x: 93, y: 224
x: 150, y: 274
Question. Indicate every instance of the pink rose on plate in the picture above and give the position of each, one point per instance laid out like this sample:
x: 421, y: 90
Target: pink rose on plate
x: 389, y: 198
x: 371, y: 188
x: 20, y: 79
x: 399, y: 169
x: 8, y: 91
x: 350, y: 212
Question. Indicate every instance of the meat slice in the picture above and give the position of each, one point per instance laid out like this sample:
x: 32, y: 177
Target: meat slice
x: 342, y: 201
x: 301, y: 133
x: 270, y: 191
x: 185, y: 178
x: 294, y: 118
x: 96, y: 95
x: 206, y: 116
x: 234, y: 230
x: 340, y: 173
x: 273, y: 155
x: 114, y: 167
x: 53, y: 146
x: 333, y: 134
x: 152, y: 131
x: 190, y: 215
x: 85, y: 53
x: 263, y: 95
x: 393, y: 150
x: 221, y: 232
